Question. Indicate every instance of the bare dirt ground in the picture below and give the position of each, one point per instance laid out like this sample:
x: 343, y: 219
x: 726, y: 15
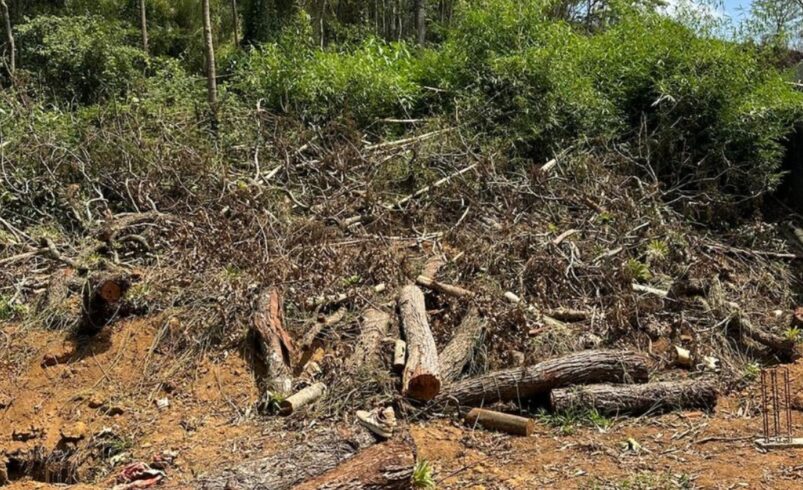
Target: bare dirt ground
x: 109, y: 385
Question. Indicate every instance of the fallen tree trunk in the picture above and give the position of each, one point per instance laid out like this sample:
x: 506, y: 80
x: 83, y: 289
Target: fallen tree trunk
x: 594, y: 366
x: 636, y: 399
x: 274, y: 344
x: 374, y: 328
x: 421, y: 377
x: 460, y: 348
x: 387, y: 465
x: 102, y: 298
x: 302, y: 456
x: 503, y: 422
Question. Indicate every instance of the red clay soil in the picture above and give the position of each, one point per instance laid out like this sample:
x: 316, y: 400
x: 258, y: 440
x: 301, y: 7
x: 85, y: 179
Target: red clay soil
x: 114, y: 383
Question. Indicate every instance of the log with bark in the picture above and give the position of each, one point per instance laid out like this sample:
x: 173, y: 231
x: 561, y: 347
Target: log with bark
x: 304, y: 397
x: 638, y: 399
x: 102, y: 296
x: 387, y: 465
x: 454, y: 357
x: 593, y: 366
x: 374, y: 328
x: 421, y: 378
x: 274, y: 344
x: 302, y: 456
x: 443, y: 288
x: 503, y: 422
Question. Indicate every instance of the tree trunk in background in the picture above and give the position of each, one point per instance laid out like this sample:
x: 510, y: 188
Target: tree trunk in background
x: 211, y: 75
x: 235, y: 22
x: 143, y: 19
x: 420, y: 21
x: 12, y: 55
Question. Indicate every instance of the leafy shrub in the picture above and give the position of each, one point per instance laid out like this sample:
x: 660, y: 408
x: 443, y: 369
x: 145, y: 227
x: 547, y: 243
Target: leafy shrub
x: 80, y: 59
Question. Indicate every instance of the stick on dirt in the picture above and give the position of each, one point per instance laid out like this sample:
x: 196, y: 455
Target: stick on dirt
x: 592, y: 366
x: 440, y: 287
x: 421, y: 378
x: 503, y: 422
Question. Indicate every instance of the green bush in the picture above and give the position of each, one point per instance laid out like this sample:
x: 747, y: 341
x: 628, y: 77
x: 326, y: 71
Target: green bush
x: 80, y: 59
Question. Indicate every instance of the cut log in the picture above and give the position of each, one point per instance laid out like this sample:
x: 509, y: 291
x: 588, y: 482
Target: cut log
x: 568, y: 314
x: 273, y: 342
x: 593, y: 366
x: 460, y: 348
x: 440, y: 287
x: 102, y: 298
x: 636, y: 399
x: 503, y: 422
x: 399, y: 355
x: 387, y: 465
x: 303, y: 397
x: 683, y: 357
x: 374, y: 328
x: 302, y: 456
x: 421, y: 378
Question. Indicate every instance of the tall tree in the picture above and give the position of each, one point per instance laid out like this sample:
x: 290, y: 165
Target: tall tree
x: 235, y: 15
x: 211, y: 75
x: 420, y: 21
x: 12, y: 54
x: 777, y: 21
x: 143, y: 19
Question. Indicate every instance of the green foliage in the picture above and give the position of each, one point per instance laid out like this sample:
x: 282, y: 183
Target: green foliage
x: 566, y: 423
x: 10, y: 309
x: 751, y: 371
x: 793, y: 334
x: 637, y: 270
x: 80, y: 59
x: 375, y: 79
x: 422, y: 475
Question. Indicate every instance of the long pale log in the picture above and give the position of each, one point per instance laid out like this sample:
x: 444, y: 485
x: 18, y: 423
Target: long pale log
x: 421, y: 377
x: 301, y: 456
x: 374, y: 328
x: 387, y: 465
x: 440, y: 287
x: 303, y: 397
x: 636, y: 399
x: 454, y: 357
x: 503, y: 422
x: 275, y: 345
x: 593, y: 366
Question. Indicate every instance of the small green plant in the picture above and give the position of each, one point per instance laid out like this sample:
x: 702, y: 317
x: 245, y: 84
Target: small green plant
x: 564, y: 422
x: 600, y: 421
x: 657, y: 250
x: 422, y: 475
x: 793, y: 334
x: 271, y: 403
x: 10, y: 309
x: 638, y: 270
x: 605, y: 217
x: 352, y: 280
x: 751, y: 371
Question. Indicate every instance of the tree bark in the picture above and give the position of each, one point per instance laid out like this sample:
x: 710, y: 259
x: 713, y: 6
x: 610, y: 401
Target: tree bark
x: 303, y: 456
x: 420, y: 21
x: 460, y: 348
x: 235, y: 15
x: 102, y: 296
x: 143, y: 20
x: 421, y: 378
x: 594, y: 366
x: 211, y: 72
x: 374, y: 328
x: 636, y: 399
x: 503, y: 422
x: 12, y: 52
x: 274, y: 343
x: 387, y: 465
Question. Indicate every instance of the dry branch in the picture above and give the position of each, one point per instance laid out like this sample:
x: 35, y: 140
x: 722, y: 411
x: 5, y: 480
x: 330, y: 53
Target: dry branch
x: 421, y: 377
x: 424, y: 190
x: 440, y: 287
x: 275, y: 345
x: 636, y: 399
x: 319, y: 326
x: 503, y: 422
x: 460, y: 348
x: 387, y: 465
x: 593, y: 366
